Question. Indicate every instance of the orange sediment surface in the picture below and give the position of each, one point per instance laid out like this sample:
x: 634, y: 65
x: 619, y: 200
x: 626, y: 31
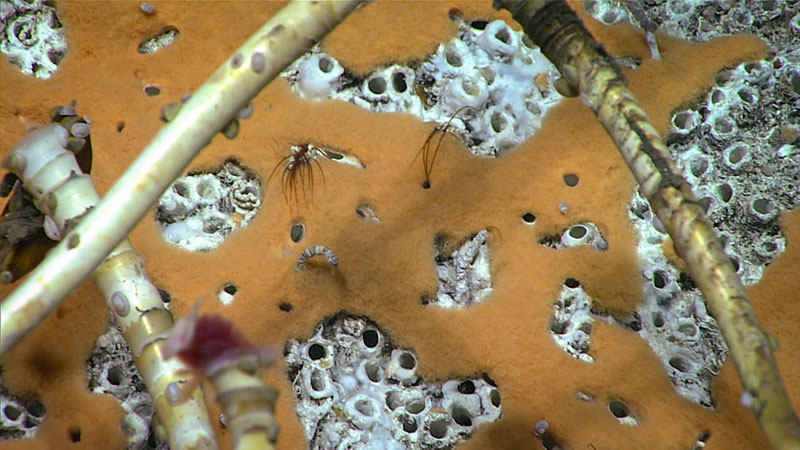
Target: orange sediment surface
x: 385, y: 269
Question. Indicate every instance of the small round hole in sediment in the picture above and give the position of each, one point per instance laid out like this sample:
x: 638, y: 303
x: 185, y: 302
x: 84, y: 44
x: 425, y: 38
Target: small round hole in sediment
x: 36, y: 408
x: 74, y: 434
x: 618, y: 409
x: 571, y: 179
x: 528, y: 218
x: 297, y: 231
x: 230, y: 289
x: 152, y: 90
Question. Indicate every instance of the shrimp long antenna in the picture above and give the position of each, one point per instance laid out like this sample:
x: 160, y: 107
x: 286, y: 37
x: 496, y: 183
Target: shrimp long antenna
x: 425, y: 150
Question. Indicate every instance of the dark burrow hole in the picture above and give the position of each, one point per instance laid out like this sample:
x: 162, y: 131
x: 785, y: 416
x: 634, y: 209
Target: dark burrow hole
x: 373, y: 371
x: 55, y: 56
x: 762, y: 206
x: 74, y: 434
x: 438, y: 428
x: 503, y: 36
x: 466, y: 387
x: 416, y: 406
x: 370, y: 338
x: 682, y: 120
x: 571, y: 179
x: 181, y: 189
x: 325, y: 65
x: 572, y: 283
x: 461, y: 416
x: 36, y: 408
x: 698, y: 166
x: 679, y: 364
x: 166, y: 297
x: 479, y: 24
x: 453, y: 58
x: 746, y: 96
x: 577, y: 232
x: 409, y: 423
x: 377, y: 85
x: 399, y: 82
x: 528, y: 218
x: 317, y: 380
x: 658, y: 320
x: 230, y: 289
x: 114, y: 375
x: 737, y: 154
x: 557, y: 327
x: 659, y: 279
x: 549, y: 442
x: 316, y: 351
x: 393, y: 400
x: 285, y: 306
x: 12, y: 412
x: 407, y: 361
x: 426, y: 184
x: 120, y: 126
x: 494, y: 397
x: 685, y: 282
x: 618, y: 409
x: 152, y: 90
x: 297, y: 231
x: 725, y: 192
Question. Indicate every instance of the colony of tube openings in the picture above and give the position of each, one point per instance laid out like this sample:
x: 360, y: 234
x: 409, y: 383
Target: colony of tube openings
x: 738, y: 148
x: 356, y: 390
x: 494, y: 82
